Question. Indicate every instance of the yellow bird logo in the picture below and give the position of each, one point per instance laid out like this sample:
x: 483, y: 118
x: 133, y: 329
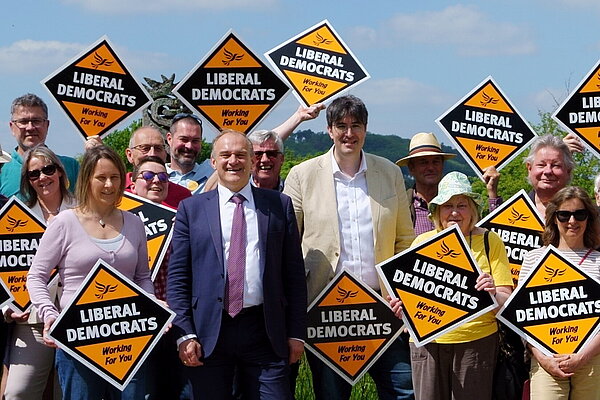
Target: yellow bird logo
x: 488, y: 100
x: 321, y: 40
x: 345, y: 294
x: 553, y: 273
x: 231, y: 57
x: 100, y: 61
x: 104, y: 289
x: 446, y: 252
x: 516, y: 216
x: 15, y: 223
x: 598, y: 77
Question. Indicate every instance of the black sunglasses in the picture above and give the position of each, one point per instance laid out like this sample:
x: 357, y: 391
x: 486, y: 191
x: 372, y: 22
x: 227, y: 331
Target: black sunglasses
x: 580, y: 215
x: 181, y: 116
x: 48, y: 170
x: 269, y: 153
x: 149, y: 176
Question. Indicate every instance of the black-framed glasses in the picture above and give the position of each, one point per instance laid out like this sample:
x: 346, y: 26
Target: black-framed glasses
x: 579, y: 215
x: 181, y: 116
x: 47, y: 170
x: 269, y: 153
x: 149, y: 176
x: 24, y: 122
x: 145, y: 148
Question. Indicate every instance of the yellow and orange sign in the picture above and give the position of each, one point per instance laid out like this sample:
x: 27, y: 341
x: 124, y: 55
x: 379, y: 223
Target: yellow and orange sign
x: 350, y: 326
x: 556, y: 307
x: 486, y: 128
x: 520, y: 227
x: 318, y: 64
x: 158, y: 223
x: 96, y: 90
x: 231, y: 87
x: 111, y: 325
x: 436, y: 282
x: 20, y: 234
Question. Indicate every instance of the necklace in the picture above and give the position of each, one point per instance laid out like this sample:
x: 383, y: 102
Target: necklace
x: 102, y: 223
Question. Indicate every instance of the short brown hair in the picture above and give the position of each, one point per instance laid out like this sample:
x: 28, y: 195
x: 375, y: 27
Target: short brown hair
x: 551, y: 234
x: 86, y: 172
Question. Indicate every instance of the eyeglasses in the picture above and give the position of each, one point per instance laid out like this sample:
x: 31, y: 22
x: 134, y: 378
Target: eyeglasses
x: 24, y: 123
x: 145, y: 148
x: 149, y: 176
x: 48, y: 170
x: 580, y: 215
x: 269, y: 153
x: 181, y: 116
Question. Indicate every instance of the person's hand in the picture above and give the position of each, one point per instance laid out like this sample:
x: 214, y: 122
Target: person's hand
x: 552, y: 365
x: 47, y: 325
x: 11, y: 315
x: 573, y: 143
x: 486, y: 282
x: 296, y: 350
x: 92, y: 141
x: 308, y: 113
x: 571, y: 363
x: 396, y: 305
x: 190, y: 353
x: 491, y: 177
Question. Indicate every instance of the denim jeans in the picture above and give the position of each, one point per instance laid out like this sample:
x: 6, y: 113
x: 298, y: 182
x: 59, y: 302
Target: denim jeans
x: 78, y: 382
x: 391, y: 373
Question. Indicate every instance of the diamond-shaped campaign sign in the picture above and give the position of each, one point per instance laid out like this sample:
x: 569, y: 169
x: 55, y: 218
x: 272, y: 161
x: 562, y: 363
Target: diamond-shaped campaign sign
x: 520, y: 227
x: 96, y: 90
x: 580, y: 112
x: 350, y: 326
x: 158, y: 223
x: 436, y: 282
x: 486, y: 128
x: 20, y: 234
x: 231, y: 87
x: 318, y: 64
x: 111, y: 325
x: 556, y: 308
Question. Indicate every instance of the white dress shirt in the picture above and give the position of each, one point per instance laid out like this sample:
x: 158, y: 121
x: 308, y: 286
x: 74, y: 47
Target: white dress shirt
x: 253, y: 285
x: 355, y: 222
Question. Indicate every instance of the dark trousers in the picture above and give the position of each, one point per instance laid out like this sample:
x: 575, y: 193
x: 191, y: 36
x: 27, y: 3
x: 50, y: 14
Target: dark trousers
x: 244, y: 348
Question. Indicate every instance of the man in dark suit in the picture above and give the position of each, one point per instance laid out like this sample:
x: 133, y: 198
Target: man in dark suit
x: 258, y: 324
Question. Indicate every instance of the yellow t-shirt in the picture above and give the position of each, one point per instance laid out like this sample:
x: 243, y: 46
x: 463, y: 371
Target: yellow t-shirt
x: 485, y: 324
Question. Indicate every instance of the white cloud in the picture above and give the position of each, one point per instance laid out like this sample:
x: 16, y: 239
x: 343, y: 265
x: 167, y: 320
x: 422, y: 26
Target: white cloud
x: 155, y: 6
x: 464, y: 28
x: 26, y: 56
x: 400, y: 92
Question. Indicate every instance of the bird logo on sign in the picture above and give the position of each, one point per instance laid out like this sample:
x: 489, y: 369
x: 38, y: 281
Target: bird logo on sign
x: 488, y: 100
x: 446, y: 252
x: 100, y: 61
x: 15, y: 223
x: 598, y: 77
x: 553, y: 273
x: 517, y: 216
x: 231, y: 57
x: 104, y: 289
x: 321, y: 40
x: 345, y: 294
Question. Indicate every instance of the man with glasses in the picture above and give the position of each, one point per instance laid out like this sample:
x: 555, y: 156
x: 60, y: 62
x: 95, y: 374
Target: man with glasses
x: 29, y: 125
x: 268, y: 155
x: 148, y: 141
x: 352, y: 213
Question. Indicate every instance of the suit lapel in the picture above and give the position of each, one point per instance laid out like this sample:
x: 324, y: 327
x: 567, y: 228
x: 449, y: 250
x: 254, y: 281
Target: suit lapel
x: 211, y: 202
x: 374, y: 188
x: 325, y: 184
x: 262, y: 216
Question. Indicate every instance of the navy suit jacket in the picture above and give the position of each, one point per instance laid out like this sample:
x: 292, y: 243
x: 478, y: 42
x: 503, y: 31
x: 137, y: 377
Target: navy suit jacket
x: 196, y: 280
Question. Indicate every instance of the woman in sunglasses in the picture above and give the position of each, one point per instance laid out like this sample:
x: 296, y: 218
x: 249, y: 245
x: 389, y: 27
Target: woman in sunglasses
x: 150, y: 180
x: 572, y: 227
x: 73, y: 243
x: 44, y: 187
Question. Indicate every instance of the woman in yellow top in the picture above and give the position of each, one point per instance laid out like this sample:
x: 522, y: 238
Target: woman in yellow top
x: 460, y: 364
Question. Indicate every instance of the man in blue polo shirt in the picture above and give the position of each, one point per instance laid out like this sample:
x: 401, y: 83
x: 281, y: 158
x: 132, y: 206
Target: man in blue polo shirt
x: 29, y: 125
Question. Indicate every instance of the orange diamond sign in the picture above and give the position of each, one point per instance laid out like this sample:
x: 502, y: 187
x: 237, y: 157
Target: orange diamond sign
x: 96, y: 90
x: 486, y: 128
x: 318, y: 64
x: 231, y: 87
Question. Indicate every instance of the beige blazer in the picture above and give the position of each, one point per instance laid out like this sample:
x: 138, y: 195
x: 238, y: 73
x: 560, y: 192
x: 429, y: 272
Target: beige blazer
x: 311, y: 187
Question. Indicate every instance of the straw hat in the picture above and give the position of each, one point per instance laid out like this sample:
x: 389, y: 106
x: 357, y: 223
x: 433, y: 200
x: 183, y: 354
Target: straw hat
x: 454, y: 184
x: 423, y: 144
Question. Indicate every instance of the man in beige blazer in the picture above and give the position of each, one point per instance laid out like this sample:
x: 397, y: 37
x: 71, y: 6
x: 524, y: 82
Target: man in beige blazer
x: 352, y: 212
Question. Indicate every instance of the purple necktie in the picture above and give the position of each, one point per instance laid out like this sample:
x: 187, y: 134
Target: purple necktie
x: 236, y: 262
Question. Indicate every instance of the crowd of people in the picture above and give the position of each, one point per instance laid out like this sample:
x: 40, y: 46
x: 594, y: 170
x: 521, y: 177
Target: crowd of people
x: 250, y: 251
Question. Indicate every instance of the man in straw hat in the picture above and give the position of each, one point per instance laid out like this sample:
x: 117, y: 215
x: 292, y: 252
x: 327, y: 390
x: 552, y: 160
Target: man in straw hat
x: 425, y: 162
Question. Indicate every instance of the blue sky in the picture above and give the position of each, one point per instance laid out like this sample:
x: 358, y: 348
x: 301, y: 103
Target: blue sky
x: 422, y: 56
